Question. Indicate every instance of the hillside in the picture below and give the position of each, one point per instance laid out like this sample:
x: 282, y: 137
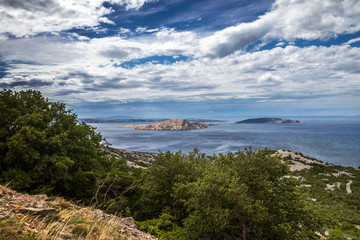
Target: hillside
x: 333, y: 189
x: 24, y: 216
x: 171, y: 125
x: 271, y: 120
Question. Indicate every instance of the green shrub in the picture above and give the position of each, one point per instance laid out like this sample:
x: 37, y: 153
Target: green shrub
x: 44, y: 149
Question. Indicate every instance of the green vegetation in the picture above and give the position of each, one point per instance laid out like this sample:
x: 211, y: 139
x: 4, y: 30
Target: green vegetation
x: 43, y: 149
x: 235, y: 196
x: 341, y: 207
x: 244, y: 195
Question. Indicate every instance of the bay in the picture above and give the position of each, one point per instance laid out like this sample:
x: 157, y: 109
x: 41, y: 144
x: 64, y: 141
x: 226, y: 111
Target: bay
x: 336, y: 141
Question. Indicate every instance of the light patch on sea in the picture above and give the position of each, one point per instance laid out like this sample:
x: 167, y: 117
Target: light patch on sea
x: 335, y: 141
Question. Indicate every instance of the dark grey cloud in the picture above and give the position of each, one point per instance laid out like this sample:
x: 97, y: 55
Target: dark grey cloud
x: 26, y: 83
x: 156, y: 79
x: 178, y: 86
x: 66, y: 92
x: 3, y: 69
x: 83, y: 76
x: 26, y: 62
x: 113, y: 83
x: 98, y: 83
x: 115, y: 52
x: 30, y: 5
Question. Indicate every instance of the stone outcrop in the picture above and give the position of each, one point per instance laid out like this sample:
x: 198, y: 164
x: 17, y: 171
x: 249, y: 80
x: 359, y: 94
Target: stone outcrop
x: 271, y: 120
x: 135, y: 159
x: 171, y: 125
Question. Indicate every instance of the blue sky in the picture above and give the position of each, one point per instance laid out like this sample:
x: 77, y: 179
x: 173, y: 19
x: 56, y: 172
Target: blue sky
x: 185, y: 58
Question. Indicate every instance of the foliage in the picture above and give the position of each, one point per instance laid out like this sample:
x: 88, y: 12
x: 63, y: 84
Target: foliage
x: 44, y: 149
x: 115, y: 188
x: 235, y: 196
x: 163, y: 227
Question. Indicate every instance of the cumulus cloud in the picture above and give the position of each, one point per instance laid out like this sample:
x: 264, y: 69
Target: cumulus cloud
x: 287, y: 20
x: 89, y: 69
x: 301, y: 72
x: 134, y: 4
x: 317, y: 19
x: 26, y: 18
x: 269, y: 79
x: 231, y: 39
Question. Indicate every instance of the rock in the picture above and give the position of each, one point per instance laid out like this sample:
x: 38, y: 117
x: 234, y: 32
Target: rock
x: 171, y: 125
x: 135, y: 159
x: 129, y: 221
x: 38, y: 211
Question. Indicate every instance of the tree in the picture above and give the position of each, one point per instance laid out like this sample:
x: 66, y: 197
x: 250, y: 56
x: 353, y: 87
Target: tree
x: 247, y: 196
x: 44, y: 149
x: 159, y: 183
x: 243, y: 195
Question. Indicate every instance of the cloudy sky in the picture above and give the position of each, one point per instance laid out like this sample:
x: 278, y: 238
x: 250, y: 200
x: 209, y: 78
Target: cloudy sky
x: 185, y: 58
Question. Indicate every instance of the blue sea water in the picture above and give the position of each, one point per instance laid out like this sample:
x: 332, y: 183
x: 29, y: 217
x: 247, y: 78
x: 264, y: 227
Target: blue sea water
x: 335, y: 141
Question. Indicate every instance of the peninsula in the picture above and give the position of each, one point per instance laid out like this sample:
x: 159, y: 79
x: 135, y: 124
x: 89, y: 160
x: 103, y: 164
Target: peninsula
x: 271, y: 120
x: 171, y: 125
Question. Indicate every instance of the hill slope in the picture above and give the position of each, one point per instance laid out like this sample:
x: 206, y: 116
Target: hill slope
x: 24, y: 216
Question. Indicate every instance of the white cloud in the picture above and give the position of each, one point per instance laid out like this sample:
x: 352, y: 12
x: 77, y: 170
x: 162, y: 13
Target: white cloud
x: 133, y: 4
x: 269, y: 79
x: 84, y: 70
x: 87, y: 69
x: 231, y: 39
x: 140, y: 29
x: 27, y: 18
x: 314, y: 19
x: 353, y: 40
x: 287, y: 20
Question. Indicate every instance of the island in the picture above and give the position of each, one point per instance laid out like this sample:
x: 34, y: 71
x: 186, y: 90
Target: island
x: 171, y: 125
x: 271, y: 120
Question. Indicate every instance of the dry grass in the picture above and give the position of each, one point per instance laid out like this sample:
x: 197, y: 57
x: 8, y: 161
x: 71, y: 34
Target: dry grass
x: 30, y: 217
x: 82, y: 223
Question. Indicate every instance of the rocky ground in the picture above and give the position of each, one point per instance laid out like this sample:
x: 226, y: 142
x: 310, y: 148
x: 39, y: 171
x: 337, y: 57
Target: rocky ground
x: 135, y: 159
x: 298, y: 162
x: 24, y: 216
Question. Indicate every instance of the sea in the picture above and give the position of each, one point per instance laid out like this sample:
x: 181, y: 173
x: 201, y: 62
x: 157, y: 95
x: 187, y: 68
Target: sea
x: 335, y: 141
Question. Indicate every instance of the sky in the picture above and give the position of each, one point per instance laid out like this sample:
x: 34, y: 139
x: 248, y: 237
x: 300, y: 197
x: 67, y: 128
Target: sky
x: 185, y: 58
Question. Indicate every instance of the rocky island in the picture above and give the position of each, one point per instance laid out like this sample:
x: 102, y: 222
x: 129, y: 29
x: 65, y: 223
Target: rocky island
x: 271, y: 120
x: 171, y: 125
